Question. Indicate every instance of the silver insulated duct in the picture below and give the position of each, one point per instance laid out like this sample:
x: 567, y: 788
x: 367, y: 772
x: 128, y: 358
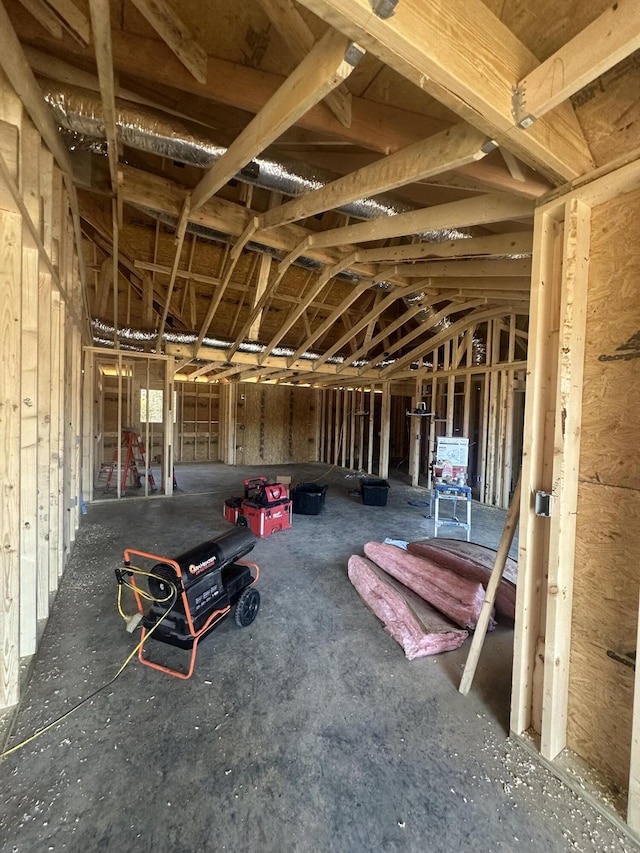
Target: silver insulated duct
x: 79, y: 113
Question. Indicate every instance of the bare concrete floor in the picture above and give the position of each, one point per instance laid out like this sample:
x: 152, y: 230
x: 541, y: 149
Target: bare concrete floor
x: 307, y: 731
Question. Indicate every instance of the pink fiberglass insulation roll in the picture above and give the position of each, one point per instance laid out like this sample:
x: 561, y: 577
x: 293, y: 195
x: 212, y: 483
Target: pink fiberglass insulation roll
x: 413, y: 623
x: 466, y: 567
x: 458, y: 598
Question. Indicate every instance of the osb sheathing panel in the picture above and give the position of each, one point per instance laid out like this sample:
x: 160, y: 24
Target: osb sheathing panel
x: 606, y: 583
x: 279, y: 423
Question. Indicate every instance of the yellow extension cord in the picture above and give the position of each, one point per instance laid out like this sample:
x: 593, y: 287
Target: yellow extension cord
x: 148, y: 597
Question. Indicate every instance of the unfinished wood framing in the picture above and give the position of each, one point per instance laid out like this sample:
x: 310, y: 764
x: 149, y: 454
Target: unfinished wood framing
x: 348, y: 261
x: 34, y: 210
x: 577, y: 600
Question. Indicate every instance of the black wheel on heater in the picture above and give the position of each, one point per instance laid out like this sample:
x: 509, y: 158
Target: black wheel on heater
x: 247, y: 607
x: 242, y: 521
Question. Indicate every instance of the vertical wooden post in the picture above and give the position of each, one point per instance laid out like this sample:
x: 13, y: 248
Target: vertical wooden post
x: 77, y: 431
x: 361, y: 408
x: 492, y: 434
x: 385, y: 431
x: 352, y: 428
x: 415, y: 437
x: 432, y: 426
x: 167, y: 450
x: 450, y: 361
x: 88, y: 426
x: 323, y: 402
x: 30, y: 191
x: 55, y: 444
x: 10, y: 310
x: 372, y: 413
x: 540, y: 399
x: 44, y: 443
x: 566, y: 462
x: 337, y: 435
x: 345, y: 427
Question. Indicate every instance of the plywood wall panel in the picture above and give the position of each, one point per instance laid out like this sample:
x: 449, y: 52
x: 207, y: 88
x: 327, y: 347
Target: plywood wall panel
x: 279, y: 424
x: 606, y: 581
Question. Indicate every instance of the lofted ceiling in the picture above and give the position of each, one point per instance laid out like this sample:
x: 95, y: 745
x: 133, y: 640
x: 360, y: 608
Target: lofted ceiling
x: 324, y: 190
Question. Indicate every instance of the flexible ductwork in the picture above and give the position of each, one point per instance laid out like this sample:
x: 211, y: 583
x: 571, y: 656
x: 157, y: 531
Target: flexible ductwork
x: 79, y: 112
x: 135, y: 339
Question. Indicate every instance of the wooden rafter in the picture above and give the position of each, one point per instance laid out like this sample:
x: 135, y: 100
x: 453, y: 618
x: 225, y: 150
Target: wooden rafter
x: 605, y: 42
x: 299, y: 39
x: 298, y: 311
x: 424, y: 328
x: 267, y: 294
x: 101, y: 25
x: 231, y: 262
x: 176, y: 35
x: 452, y: 331
x: 180, y: 235
x: 45, y: 16
x: 328, y: 64
x: 376, y: 311
x: 253, y: 333
x: 72, y: 19
x: 421, y: 41
x: 330, y: 320
x: 446, y: 150
x: 390, y: 328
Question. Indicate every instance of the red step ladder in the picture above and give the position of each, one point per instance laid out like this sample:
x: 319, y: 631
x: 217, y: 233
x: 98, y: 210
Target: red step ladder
x: 133, y: 463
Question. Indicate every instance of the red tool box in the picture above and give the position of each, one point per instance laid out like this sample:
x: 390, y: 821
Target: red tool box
x: 265, y: 520
x: 265, y: 508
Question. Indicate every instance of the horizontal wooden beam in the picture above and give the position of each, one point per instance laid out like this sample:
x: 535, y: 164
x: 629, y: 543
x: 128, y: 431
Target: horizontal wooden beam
x: 251, y: 359
x: 446, y: 150
x: 601, y: 45
x: 422, y: 40
x: 457, y: 214
x: 462, y: 268
x: 506, y: 282
x: 517, y: 243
